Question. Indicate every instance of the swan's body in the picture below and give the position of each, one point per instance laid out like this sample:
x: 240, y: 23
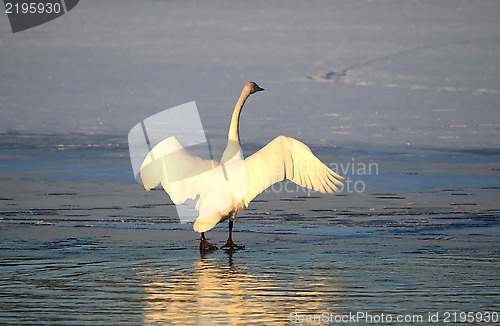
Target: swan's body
x: 224, y: 188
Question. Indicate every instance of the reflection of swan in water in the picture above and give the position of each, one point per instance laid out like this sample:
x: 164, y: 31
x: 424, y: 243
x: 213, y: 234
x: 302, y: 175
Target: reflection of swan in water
x: 213, y: 292
x: 224, y: 188
x: 207, y: 295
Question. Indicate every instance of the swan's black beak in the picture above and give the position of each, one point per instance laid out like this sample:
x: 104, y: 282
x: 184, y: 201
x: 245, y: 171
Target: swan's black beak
x: 260, y: 89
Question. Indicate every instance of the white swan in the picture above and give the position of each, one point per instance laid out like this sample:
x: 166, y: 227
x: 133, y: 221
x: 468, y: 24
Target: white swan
x: 224, y: 188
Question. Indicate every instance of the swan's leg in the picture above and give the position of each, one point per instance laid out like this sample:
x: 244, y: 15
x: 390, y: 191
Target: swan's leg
x: 229, y: 243
x: 205, y: 245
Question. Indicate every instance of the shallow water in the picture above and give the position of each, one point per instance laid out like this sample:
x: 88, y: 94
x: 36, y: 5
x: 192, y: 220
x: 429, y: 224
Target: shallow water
x: 81, y: 249
x: 135, y: 276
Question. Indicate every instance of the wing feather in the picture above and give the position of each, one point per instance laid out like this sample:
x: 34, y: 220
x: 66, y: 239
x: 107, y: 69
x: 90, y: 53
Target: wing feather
x: 288, y: 158
x: 171, y: 165
x: 185, y: 176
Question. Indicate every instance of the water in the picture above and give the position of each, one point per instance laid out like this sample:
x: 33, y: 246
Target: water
x: 137, y: 277
x: 86, y: 245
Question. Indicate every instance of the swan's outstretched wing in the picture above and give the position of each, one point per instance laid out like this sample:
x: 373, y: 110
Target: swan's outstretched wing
x: 288, y: 158
x: 185, y: 176
x: 171, y: 165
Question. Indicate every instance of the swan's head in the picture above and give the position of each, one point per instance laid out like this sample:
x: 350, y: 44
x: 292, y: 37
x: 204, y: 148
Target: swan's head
x: 254, y: 88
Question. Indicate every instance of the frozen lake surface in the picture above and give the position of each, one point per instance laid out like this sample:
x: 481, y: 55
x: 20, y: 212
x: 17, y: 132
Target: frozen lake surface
x: 377, y: 72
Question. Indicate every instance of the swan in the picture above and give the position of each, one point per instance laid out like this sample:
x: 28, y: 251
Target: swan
x: 225, y: 188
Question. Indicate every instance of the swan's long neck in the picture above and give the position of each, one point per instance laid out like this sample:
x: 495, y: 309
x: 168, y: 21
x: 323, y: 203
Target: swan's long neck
x: 234, y: 134
x: 233, y: 141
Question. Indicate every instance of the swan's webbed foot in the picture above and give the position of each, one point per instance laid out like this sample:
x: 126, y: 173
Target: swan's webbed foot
x: 205, y: 245
x: 230, y: 245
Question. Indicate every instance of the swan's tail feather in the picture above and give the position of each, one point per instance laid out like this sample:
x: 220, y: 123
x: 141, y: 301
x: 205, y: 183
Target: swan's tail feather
x: 203, y: 224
